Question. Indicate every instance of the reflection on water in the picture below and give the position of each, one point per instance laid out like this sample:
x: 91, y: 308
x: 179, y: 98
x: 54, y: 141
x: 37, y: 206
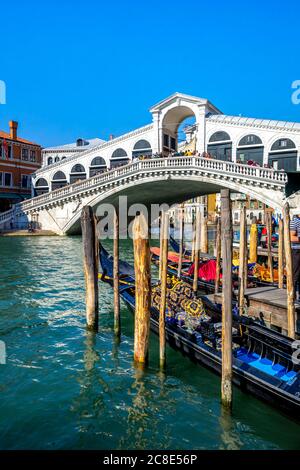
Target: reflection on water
x: 64, y: 387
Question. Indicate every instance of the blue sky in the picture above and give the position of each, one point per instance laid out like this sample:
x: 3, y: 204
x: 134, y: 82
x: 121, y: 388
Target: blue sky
x: 91, y: 68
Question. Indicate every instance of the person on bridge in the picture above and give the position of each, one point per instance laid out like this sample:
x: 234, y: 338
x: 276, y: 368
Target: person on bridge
x: 295, y: 240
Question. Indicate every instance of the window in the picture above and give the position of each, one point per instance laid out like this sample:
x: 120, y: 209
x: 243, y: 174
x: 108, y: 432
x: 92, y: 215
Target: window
x: 1, y: 178
x: 7, y: 179
x: 119, y: 153
x: 283, y: 144
x: 250, y: 139
x: 56, y: 159
x: 219, y: 137
x: 32, y: 155
x: 50, y: 161
x: 25, y: 154
x: 26, y: 181
x: 166, y: 140
x: 142, y: 147
x: 9, y: 150
x: 173, y: 143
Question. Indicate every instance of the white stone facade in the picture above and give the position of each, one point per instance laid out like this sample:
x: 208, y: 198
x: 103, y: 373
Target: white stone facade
x: 161, y: 135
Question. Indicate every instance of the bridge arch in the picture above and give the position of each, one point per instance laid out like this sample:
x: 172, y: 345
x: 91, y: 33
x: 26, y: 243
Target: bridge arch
x: 171, y: 120
x: 59, y: 180
x: 49, y: 160
x: 160, y: 188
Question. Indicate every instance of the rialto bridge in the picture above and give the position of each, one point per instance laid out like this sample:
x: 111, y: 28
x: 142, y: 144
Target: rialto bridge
x: 107, y: 169
x: 150, y: 181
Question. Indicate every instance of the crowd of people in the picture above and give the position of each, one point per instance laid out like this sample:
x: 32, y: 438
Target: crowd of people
x: 208, y: 155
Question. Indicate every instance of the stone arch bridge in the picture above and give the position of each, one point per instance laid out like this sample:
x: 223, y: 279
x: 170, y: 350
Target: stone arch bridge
x: 149, y: 181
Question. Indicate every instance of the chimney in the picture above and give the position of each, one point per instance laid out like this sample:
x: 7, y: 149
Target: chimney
x: 13, y: 127
x: 111, y: 136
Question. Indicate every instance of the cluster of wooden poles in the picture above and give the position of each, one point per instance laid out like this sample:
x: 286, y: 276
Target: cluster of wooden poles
x: 142, y: 266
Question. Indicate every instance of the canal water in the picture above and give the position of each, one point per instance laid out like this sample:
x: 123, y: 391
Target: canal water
x: 65, y: 388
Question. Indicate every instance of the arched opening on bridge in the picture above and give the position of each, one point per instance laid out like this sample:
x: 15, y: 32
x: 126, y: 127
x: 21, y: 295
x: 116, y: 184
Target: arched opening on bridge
x: 78, y: 173
x: 141, y: 148
x: 119, y: 158
x: 220, y: 146
x: 59, y: 180
x: 56, y: 159
x: 175, y: 120
x: 50, y: 160
x: 41, y: 187
x: 98, y: 166
x: 63, y: 158
x: 283, y: 155
x: 250, y: 150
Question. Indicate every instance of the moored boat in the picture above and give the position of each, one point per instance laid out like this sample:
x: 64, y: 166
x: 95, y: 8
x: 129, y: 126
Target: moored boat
x: 262, y: 359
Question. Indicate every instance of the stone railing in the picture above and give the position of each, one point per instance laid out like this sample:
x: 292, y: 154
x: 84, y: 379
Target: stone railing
x: 214, y: 168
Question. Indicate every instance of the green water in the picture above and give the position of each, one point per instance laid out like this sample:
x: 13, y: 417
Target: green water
x: 64, y: 388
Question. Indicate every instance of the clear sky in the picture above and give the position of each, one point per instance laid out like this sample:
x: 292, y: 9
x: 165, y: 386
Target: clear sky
x: 90, y: 68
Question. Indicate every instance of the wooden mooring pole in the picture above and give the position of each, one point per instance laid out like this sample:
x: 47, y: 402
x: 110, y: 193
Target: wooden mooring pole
x: 218, y: 255
x: 242, y: 258
x: 197, y: 249
x: 280, y: 254
x: 181, y: 238
x: 289, y: 272
x: 253, y: 244
x: 204, y: 238
x: 163, y: 295
x: 117, y: 321
x: 226, y: 387
x: 142, y: 288
x: 91, y: 266
x: 269, y: 244
x: 161, y: 231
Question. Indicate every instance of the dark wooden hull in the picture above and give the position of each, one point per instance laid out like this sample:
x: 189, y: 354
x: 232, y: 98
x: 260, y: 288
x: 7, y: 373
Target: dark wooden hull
x: 268, y: 388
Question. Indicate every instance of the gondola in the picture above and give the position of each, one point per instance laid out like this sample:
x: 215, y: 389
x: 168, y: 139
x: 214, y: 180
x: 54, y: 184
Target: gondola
x: 262, y: 358
x: 208, y: 286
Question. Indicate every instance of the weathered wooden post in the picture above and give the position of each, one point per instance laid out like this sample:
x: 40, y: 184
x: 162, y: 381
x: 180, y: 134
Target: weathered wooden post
x: 280, y: 254
x: 269, y: 244
x: 91, y: 266
x: 253, y: 243
x: 242, y: 258
x: 193, y: 239
x: 161, y: 232
x: 142, y: 288
x: 204, y: 238
x: 163, y: 285
x: 117, y: 322
x: 218, y: 255
x: 289, y: 272
x: 226, y: 388
x: 181, y: 238
x: 197, y: 250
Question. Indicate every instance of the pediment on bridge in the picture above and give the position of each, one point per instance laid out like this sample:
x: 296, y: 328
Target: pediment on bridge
x: 180, y: 99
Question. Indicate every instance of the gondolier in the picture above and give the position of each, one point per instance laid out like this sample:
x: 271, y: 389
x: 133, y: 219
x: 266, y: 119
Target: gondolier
x: 295, y: 240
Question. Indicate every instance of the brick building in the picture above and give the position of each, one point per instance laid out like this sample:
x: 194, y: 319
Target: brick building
x: 19, y: 158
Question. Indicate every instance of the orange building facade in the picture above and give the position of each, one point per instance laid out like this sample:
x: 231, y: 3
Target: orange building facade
x: 19, y: 159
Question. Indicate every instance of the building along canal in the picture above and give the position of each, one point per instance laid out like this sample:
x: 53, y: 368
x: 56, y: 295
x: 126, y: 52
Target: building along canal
x: 65, y: 388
